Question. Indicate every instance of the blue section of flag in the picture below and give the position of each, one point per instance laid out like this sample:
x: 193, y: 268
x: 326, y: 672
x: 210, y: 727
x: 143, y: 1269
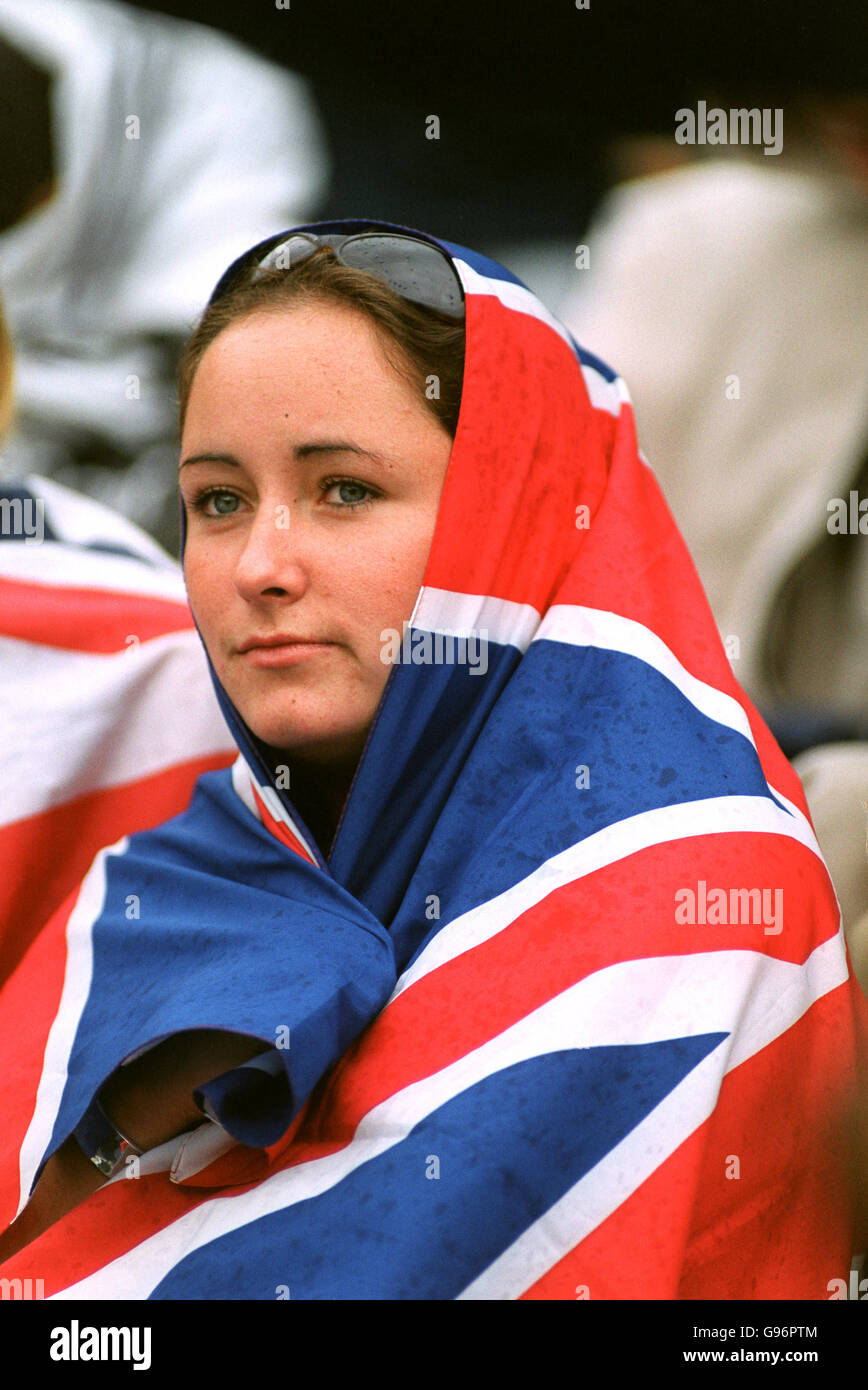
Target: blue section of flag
x: 421, y: 739
x: 467, y: 788
x: 482, y: 265
x: 505, y: 1150
x: 195, y: 939
x: 614, y: 712
x: 589, y: 359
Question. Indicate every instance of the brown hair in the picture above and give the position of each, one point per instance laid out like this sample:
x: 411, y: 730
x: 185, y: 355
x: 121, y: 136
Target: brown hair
x: 419, y: 342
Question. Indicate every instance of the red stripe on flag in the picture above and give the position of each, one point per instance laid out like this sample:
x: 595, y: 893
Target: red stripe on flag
x: 86, y: 620
x: 609, y: 1261
x: 279, y: 830
x: 594, y: 464
x: 47, y: 855
x: 490, y: 492
x: 623, y: 912
x: 119, y: 1217
x: 114, y: 1220
x: 26, y: 1017
x: 783, y: 1227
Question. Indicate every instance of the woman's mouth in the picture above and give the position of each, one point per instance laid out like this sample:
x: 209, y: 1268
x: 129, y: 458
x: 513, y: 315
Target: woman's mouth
x: 278, y: 651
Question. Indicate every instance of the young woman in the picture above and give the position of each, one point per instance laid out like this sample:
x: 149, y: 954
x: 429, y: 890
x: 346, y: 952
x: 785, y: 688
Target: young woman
x: 505, y: 950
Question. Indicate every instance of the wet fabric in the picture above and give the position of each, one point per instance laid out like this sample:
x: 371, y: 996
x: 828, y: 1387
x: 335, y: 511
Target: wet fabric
x: 566, y: 1013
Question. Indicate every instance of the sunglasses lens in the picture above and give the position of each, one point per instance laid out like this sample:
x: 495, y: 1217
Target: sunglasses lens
x: 413, y: 269
x: 286, y: 255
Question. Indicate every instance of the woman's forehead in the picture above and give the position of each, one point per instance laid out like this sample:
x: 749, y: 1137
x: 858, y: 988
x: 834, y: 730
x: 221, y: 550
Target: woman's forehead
x: 291, y: 353
x: 279, y: 386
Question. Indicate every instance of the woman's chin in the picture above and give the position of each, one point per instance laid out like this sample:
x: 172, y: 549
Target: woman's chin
x: 314, y: 726
x: 314, y: 746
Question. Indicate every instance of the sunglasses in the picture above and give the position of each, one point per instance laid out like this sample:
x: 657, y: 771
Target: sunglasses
x: 414, y: 269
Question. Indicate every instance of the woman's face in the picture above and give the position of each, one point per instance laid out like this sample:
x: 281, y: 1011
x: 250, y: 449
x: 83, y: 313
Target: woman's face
x: 311, y: 474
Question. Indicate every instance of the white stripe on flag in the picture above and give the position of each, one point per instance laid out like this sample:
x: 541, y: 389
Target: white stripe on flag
x: 604, y: 395
x: 596, y: 627
x: 242, y: 782
x: 76, y: 987
x: 79, y: 722
x: 281, y: 815
x: 519, y: 624
x: 468, y: 615
x: 512, y: 296
x: 753, y: 997
x: 55, y: 565
x: 719, y: 815
x: 768, y: 1012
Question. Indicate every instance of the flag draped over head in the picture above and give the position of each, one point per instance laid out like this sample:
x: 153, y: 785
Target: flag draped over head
x: 98, y: 653
x: 567, y: 1013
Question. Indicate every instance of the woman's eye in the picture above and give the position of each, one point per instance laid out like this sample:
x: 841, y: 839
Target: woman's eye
x: 351, y: 494
x: 215, y: 502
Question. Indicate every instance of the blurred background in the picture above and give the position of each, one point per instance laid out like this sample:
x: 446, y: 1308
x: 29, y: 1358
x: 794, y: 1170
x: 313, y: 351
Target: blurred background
x: 144, y: 146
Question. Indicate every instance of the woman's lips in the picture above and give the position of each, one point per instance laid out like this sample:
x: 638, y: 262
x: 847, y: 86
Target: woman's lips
x: 285, y: 654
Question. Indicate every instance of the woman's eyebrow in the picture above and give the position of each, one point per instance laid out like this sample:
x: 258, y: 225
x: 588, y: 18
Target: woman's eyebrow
x: 337, y: 446
x: 301, y: 451
x: 209, y: 457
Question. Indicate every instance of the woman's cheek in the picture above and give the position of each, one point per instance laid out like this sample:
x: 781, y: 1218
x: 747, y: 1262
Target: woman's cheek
x: 203, y: 593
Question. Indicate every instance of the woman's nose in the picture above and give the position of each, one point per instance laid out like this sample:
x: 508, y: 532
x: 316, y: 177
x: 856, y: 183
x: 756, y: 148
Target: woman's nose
x: 270, y: 563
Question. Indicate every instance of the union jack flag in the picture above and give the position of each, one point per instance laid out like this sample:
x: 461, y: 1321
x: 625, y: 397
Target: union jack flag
x: 518, y: 1067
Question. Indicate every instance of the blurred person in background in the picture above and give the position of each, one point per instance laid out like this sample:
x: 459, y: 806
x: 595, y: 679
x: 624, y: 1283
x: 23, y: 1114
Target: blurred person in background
x: 109, y: 716
x: 734, y: 294
x: 140, y: 153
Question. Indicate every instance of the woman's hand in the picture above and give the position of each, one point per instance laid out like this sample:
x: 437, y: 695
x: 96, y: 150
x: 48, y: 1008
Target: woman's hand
x: 67, y: 1179
x: 150, y: 1101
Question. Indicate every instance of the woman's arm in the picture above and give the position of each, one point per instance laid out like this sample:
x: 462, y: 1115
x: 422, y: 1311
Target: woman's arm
x: 150, y: 1101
